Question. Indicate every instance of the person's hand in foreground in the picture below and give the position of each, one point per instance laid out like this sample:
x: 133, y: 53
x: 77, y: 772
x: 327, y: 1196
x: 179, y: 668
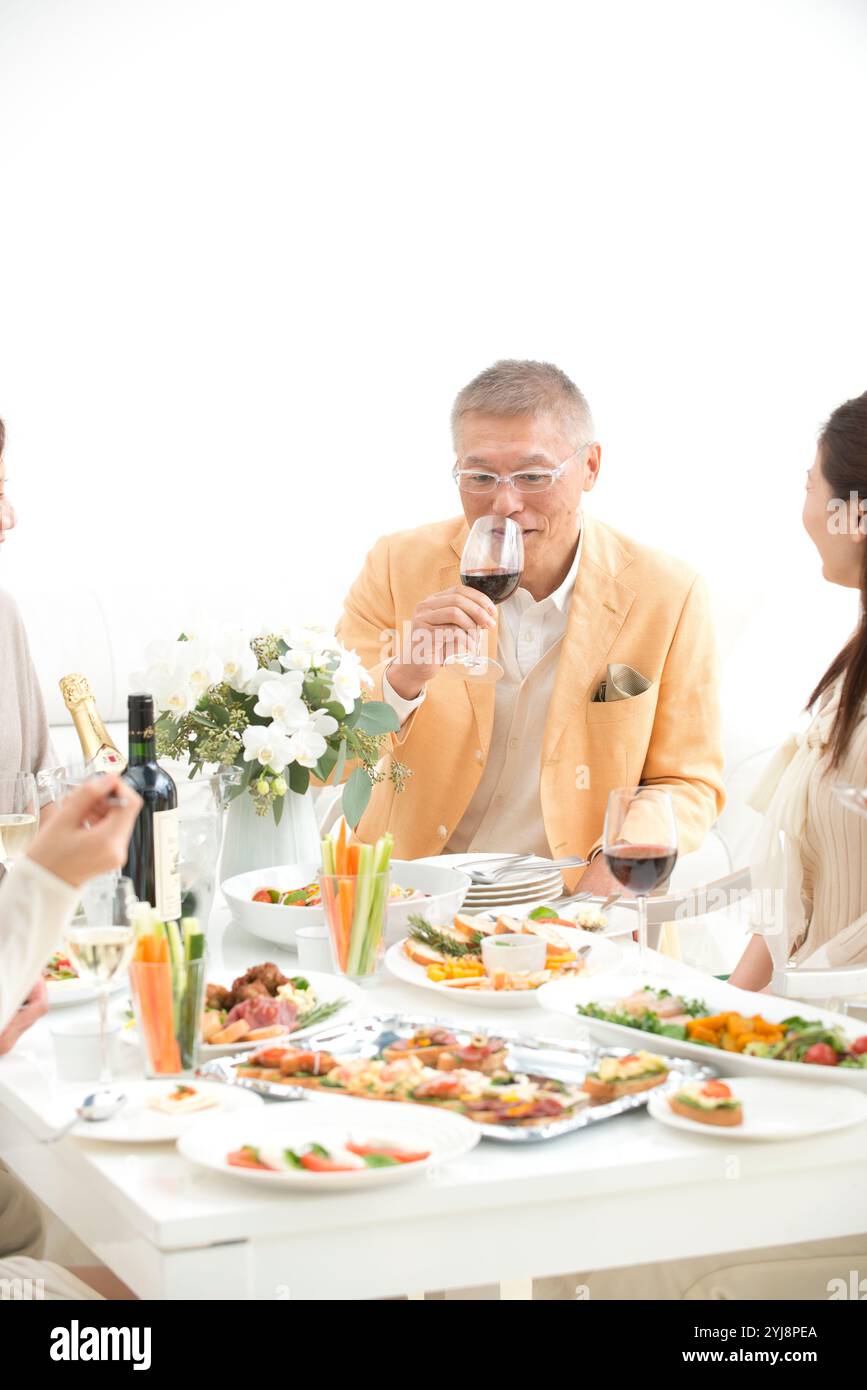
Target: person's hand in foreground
x: 89, y: 832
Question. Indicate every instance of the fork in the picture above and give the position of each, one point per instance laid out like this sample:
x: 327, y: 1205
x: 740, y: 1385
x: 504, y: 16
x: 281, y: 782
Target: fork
x: 495, y: 876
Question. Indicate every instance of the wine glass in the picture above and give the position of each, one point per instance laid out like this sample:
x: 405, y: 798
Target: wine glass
x: 492, y: 562
x: 19, y: 816
x: 640, y: 847
x: 100, y: 948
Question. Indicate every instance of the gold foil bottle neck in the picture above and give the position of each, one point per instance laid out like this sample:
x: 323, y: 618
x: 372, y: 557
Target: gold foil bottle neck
x: 75, y: 688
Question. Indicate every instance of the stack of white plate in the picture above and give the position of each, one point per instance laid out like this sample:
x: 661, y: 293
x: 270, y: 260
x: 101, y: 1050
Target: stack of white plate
x: 533, y: 885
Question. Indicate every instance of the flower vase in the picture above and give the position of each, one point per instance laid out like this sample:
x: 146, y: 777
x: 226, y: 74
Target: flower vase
x: 258, y: 842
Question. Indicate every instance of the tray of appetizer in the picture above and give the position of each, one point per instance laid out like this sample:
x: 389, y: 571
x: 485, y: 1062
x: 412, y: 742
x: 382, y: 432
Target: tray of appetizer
x: 331, y: 1146
x: 516, y: 1089
x: 500, y: 961
x: 64, y: 986
x: 749, y: 1034
x: 757, y: 1107
x: 159, y: 1112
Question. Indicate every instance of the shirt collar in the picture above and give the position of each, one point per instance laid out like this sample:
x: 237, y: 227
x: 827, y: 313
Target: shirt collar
x: 561, y: 597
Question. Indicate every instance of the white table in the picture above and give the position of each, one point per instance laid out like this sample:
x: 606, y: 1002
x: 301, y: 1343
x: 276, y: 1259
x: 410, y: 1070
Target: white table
x: 620, y: 1193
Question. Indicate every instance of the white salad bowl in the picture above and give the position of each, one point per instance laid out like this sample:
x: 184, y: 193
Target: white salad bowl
x: 445, y: 891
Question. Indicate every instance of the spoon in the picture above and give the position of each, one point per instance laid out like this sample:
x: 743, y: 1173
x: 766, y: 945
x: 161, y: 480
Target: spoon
x: 99, y: 1105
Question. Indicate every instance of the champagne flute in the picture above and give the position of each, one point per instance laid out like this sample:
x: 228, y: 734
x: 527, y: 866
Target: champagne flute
x: 19, y: 816
x: 640, y: 848
x: 492, y: 562
x: 101, y: 948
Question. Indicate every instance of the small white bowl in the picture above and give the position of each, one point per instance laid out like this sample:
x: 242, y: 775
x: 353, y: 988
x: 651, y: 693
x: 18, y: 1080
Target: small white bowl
x: 314, y: 948
x: 513, y: 953
x: 446, y: 888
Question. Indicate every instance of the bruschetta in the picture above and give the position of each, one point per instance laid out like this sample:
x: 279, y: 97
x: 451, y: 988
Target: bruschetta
x: 707, y: 1103
x: 624, y: 1076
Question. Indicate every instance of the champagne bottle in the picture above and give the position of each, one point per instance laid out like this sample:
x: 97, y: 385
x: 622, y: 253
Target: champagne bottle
x: 100, y: 753
x: 153, y: 850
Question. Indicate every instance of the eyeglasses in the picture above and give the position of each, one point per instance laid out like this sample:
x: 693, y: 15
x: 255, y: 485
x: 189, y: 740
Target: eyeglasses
x: 479, y: 482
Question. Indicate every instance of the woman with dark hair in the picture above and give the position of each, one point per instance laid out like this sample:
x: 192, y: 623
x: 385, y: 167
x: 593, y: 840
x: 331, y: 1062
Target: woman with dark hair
x: 810, y: 862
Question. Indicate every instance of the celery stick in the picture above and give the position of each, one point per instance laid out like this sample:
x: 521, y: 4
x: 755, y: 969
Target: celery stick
x: 363, y: 895
x: 194, y: 938
x: 328, y: 855
x: 179, y: 972
x: 378, y: 905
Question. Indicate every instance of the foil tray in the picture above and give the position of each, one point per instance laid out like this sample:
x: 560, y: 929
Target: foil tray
x: 554, y: 1057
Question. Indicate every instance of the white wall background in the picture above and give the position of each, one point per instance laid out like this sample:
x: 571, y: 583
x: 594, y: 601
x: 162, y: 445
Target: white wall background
x: 249, y: 251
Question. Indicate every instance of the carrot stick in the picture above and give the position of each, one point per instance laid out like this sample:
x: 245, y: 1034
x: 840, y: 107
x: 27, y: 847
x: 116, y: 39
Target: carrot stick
x: 352, y: 855
x: 346, y: 897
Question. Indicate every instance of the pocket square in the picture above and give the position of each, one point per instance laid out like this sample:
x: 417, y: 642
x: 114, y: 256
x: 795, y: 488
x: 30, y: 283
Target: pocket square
x: 621, y: 683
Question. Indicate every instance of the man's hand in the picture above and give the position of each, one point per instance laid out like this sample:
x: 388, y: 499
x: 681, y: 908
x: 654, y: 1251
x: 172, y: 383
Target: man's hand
x: 598, y: 879
x: 34, y: 1006
x: 89, y: 832
x: 442, y: 626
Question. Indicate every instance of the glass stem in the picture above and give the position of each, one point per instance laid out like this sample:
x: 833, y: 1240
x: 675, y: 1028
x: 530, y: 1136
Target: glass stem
x: 105, y: 1069
x: 642, y: 933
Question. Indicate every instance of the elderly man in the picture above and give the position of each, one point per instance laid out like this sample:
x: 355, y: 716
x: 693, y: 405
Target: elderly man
x: 610, y: 674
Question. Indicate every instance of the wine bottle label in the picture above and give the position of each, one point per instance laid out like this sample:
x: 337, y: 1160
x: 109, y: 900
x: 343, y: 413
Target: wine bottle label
x: 167, y: 877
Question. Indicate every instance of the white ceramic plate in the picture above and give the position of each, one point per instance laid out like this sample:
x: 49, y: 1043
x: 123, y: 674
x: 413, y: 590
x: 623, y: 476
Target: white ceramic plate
x: 562, y: 996
x: 332, y: 1122
x: 138, y: 1123
x: 326, y: 987
x: 774, y: 1110
x: 444, y: 886
x: 622, y: 921
x: 603, y: 957
x: 62, y: 993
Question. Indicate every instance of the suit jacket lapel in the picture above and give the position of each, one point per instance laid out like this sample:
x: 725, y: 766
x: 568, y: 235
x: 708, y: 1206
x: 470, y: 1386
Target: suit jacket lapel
x: 600, y: 603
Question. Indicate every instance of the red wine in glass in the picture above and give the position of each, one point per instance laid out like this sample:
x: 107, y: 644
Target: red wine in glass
x: 497, y: 585
x: 641, y: 868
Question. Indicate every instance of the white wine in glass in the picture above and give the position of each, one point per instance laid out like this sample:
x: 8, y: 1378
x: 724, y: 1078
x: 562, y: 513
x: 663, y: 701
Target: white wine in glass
x: 102, y: 950
x: 19, y: 816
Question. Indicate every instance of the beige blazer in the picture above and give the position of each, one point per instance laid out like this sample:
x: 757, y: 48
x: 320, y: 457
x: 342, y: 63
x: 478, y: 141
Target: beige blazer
x: 630, y: 604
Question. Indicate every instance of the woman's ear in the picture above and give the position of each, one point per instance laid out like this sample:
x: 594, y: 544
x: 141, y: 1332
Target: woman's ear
x: 859, y: 529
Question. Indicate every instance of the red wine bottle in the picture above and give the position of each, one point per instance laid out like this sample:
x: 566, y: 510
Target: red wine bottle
x: 497, y: 585
x: 153, y: 849
x: 641, y: 868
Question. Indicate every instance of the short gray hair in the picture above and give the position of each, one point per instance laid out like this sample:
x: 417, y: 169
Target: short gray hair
x: 513, y: 387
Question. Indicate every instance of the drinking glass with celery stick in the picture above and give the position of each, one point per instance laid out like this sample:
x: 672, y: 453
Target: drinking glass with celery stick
x: 167, y: 974
x: 355, y: 881
x: 640, y: 848
x: 19, y: 816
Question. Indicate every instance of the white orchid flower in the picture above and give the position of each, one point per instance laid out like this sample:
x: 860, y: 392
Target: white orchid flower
x: 171, y: 691
x: 280, y: 700
x: 238, y: 661
x: 201, y: 663
x: 297, y: 660
x: 323, y: 723
x: 269, y: 745
x: 316, y: 642
x: 347, y: 680
x: 307, y: 746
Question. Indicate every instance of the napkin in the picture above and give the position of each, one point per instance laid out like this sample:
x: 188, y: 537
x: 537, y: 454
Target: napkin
x: 621, y: 683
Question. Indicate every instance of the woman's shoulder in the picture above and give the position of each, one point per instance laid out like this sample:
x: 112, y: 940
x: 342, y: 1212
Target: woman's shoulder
x: 10, y: 618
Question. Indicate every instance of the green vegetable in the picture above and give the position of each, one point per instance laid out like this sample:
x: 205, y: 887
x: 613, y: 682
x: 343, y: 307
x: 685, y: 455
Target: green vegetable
x: 421, y: 930
x: 543, y: 913
x: 320, y: 1012
x: 380, y: 1161
x: 292, y: 1158
x: 299, y: 982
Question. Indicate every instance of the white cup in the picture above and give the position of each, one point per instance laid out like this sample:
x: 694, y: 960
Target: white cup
x: 77, y: 1054
x: 314, y: 948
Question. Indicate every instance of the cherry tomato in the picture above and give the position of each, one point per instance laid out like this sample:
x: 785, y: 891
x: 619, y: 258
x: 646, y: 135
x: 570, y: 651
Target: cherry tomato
x: 859, y: 1045
x: 246, y: 1158
x: 822, y: 1054
x: 266, y: 895
x: 719, y: 1089
x: 317, y: 1164
x: 402, y: 1155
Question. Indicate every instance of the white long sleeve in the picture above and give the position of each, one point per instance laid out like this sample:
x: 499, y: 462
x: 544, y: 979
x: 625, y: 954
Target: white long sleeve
x: 35, y: 906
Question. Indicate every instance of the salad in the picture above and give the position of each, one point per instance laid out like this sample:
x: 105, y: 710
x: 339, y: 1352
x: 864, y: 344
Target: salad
x: 793, y: 1039
x: 59, y: 967
x: 311, y: 895
x: 316, y: 1158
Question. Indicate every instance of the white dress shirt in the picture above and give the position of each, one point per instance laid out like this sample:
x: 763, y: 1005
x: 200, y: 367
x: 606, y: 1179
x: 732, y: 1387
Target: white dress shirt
x: 35, y: 906
x: 505, y: 812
